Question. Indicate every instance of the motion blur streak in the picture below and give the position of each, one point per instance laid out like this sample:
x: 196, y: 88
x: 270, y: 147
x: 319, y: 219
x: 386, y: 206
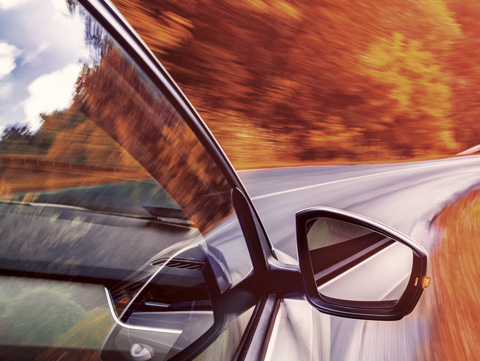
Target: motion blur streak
x: 456, y: 277
x: 374, y: 175
x: 287, y: 82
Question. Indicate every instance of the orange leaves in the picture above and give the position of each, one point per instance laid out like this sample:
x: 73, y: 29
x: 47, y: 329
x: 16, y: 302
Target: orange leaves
x: 122, y: 102
x: 161, y: 30
x: 387, y: 70
x: 278, y: 8
x: 419, y: 89
x: 456, y: 273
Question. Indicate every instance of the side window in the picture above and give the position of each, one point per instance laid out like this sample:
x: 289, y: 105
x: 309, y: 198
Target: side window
x: 118, y: 234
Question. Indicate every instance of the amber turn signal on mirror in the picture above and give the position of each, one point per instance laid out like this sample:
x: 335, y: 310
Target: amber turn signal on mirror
x: 426, y: 282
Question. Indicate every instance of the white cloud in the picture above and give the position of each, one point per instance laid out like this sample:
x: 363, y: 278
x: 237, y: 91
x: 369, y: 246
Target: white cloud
x: 8, y: 53
x: 6, y: 89
x: 32, y: 55
x: 58, y: 5
x: 49, y: 93
x: 10, y: 4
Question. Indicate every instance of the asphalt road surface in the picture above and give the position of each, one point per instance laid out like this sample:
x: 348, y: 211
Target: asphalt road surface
x: 364, y: 282
x: 405, y: 196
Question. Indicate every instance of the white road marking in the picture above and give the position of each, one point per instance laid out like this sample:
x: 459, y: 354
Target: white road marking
x: 356, y: 178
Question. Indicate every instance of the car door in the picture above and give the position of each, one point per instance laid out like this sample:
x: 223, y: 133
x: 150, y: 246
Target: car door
x: 125, y: 233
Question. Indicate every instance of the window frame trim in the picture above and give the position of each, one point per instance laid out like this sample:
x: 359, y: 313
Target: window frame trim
x: 105, y: 13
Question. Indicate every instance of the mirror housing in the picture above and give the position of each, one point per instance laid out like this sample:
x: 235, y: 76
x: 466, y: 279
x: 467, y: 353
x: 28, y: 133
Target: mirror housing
x: 348, y: 282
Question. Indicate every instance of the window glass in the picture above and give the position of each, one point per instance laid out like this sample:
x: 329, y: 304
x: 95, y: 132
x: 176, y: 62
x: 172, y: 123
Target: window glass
x: 112, y: 213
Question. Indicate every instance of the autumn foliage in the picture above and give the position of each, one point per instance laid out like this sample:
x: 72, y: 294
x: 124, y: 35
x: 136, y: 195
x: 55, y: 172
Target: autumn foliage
x: 146, y: 125
x: 456, y: 274
x: 323, y: 81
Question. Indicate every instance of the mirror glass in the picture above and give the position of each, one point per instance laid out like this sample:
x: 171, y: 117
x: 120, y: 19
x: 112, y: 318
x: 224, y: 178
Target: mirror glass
x: 354, y: 263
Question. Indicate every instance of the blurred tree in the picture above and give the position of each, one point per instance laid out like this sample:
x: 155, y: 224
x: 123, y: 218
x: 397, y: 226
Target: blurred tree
x: 287, y: 68
x: 420, y: 120
x: 463, y: 64
x: 16, y: 137
x: 18, y: 132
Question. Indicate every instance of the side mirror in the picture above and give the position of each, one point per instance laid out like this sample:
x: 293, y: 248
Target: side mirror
x: 357, y: 268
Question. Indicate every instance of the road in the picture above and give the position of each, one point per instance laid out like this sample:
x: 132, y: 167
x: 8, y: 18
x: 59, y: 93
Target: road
x: 405, y: 196
x: 363, y: 282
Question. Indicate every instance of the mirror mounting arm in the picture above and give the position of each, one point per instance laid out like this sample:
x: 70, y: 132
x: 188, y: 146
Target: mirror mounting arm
x: 286, y: 280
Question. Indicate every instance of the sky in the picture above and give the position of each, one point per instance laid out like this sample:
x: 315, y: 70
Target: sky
x: 42, y: 50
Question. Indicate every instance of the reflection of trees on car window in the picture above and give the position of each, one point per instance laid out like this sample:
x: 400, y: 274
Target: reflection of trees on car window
x: 114, y: 96
x: 98, y: 141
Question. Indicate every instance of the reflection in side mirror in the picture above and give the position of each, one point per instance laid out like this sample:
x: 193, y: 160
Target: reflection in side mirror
x: 353, y: 263
x: 354, y: 267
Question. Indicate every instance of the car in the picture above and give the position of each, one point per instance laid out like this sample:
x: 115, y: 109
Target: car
x: 126, y: 234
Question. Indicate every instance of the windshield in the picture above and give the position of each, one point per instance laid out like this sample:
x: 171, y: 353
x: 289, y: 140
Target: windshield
x: 103, y: 187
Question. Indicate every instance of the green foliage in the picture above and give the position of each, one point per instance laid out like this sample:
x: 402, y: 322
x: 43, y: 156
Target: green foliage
x: 17, y: 132
x: 16, y: 137
x: 38, y: 316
